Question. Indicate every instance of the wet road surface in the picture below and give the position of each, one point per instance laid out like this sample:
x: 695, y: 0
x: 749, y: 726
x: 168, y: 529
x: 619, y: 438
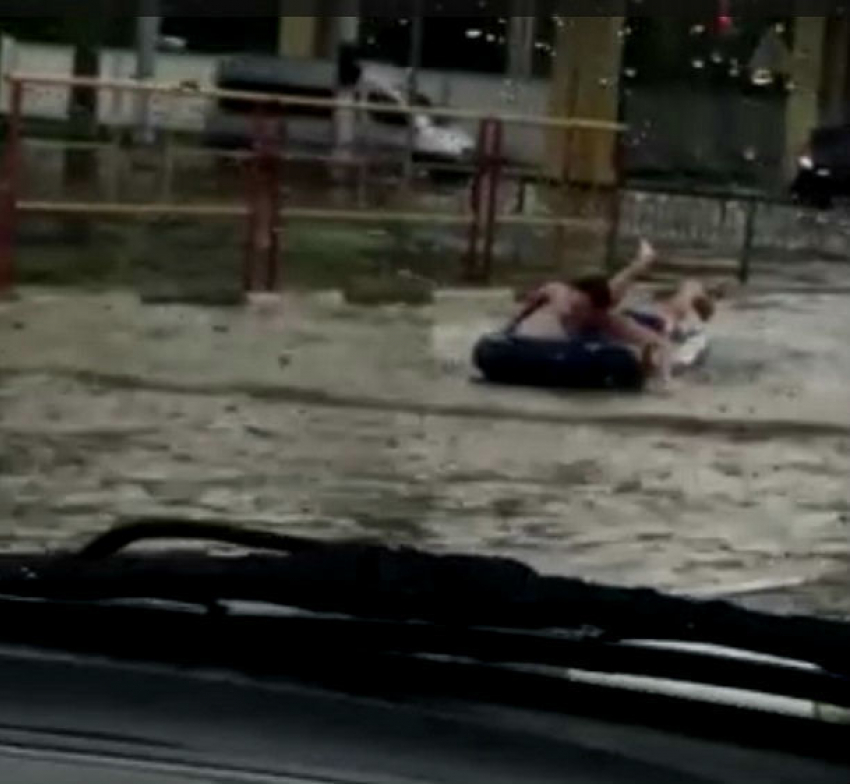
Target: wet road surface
x: 322, y: 419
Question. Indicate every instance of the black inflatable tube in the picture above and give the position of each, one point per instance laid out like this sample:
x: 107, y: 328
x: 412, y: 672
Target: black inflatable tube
x: 558, y: 364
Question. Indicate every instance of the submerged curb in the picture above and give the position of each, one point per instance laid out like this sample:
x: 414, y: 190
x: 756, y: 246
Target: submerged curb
x: 751, y: 427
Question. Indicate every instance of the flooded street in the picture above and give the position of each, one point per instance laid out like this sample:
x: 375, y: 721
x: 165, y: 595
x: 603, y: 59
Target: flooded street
x: 322, y: 419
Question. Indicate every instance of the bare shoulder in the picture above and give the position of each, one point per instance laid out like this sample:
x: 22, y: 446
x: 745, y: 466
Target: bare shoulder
x: 553, y: 289
x: 542, y: 292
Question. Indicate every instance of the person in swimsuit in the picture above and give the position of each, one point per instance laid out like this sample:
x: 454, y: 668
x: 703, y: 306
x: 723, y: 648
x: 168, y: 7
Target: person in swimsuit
x: 561, y: 310
x: 675, y: 312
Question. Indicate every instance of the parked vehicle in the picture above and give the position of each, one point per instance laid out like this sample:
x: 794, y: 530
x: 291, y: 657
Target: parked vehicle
x: 322, y: 130
x: 823, y: 168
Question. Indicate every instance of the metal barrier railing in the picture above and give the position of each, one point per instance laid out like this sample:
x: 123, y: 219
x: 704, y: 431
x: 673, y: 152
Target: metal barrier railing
x: 750, y: 200
x: 265, y: 167
x: 740, y: 222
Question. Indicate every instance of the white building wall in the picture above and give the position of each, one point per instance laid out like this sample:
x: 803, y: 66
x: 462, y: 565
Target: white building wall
x: 18, y: 57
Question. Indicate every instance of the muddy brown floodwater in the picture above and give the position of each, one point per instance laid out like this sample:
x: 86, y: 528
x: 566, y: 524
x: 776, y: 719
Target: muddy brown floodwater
x: 314, y: 417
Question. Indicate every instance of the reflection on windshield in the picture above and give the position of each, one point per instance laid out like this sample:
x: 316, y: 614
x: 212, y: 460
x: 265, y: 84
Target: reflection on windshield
x: 593, y: 320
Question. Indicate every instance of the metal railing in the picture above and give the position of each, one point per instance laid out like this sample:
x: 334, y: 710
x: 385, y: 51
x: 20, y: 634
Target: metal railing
x: 265, y: 166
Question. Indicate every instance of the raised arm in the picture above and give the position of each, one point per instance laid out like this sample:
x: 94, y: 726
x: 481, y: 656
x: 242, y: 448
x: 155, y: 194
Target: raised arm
x: 622, y: 282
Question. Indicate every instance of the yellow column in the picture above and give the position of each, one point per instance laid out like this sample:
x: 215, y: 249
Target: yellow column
x: 585, y: 84
x: 803, y: 109
x: 298, y: 36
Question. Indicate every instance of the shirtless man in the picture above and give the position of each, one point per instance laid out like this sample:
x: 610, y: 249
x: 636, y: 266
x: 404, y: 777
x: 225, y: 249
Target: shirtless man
x: 558, y: 310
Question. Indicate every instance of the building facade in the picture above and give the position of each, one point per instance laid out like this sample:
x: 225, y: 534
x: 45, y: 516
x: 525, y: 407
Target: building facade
x: 715, y: 96
x: 723, y: 97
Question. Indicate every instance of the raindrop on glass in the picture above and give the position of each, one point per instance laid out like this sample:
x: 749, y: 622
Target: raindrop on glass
x: 698, y: 63
x: 508, y: 93
x: 697, y: 29
x: 761, y: 77
x: 750, y: 154
x: 630, y: 72
x: 716, y: 57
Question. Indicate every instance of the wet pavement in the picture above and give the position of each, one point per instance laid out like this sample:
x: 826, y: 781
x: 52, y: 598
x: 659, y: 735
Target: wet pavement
x: 318, y: 418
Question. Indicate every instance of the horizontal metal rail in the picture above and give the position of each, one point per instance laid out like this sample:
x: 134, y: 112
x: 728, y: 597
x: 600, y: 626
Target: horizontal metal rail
x: 272, y: 99
x: 130, y: 210
x: 179, y: 150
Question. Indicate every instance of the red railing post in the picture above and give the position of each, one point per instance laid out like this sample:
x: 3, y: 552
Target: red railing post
x: 491, y: 204
x: 484, y: 192
x: 273, y: 196
x: 471, y: 260
x: 249, y: 264
x: 9, y: 185
x: 261, y: 254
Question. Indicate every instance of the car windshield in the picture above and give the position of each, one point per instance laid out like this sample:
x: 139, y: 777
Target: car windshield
x: 601, y: 327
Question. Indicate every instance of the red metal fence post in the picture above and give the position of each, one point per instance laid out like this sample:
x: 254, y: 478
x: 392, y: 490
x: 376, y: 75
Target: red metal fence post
x: 492, y: 181
x: 9, y: 185
x: 475, y: 191
x: 484, y: 201
x: 261, y: 265
x: 249, y: 263
x: 274, y: 167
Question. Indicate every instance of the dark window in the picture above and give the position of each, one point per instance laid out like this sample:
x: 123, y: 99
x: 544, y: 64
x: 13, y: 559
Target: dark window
x: 693, y: 50
x: 450, y: 43
x: 220, y: 34
x: 102, y: 28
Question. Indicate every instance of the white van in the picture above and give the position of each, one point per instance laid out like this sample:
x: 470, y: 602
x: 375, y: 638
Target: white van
x: 322, y: 130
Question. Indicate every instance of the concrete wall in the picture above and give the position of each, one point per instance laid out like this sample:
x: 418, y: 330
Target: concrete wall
x: 718, y: 227
x: 49, y: 103
x: 176, y: 113
x: 183, y: 113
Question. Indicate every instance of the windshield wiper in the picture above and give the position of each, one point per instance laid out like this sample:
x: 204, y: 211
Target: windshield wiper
x: 400, y: 602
